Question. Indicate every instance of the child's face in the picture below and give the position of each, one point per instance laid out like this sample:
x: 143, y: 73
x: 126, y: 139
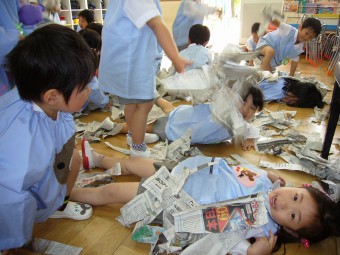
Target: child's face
x: 77, y: 100
x: 82, y: 22
x: 248, y: 109
x: 292, y: 207
x: 306, y: 35
x: 290, y: 98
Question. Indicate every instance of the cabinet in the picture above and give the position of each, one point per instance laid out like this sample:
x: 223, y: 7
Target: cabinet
x: 326, y: 11
x: 70, y: 14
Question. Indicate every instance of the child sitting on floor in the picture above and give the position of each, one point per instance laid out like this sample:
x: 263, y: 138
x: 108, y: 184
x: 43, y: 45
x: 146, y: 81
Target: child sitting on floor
x: 39, y: 164
x: 305, y: 213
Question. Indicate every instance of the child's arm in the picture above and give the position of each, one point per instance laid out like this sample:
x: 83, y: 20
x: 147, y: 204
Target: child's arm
x: 248, y: 144
x: 268, y: 53
x: 262, y: 245
x: 293, y: 67
x: 273, y: 178
x: 167, y: 42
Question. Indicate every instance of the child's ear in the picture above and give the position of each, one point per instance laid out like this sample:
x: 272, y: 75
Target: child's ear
x: 51, y: 97
x: 291, y: 232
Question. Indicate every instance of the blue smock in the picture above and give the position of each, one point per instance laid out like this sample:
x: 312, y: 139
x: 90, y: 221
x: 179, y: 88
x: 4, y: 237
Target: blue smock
x: 282, y: 41
x: 9, y: 37
x: 198, y: 54
x: 97, y: 96
x: 130, y: 51
x: 251, y: 44
x: 221, y: 182
x: 204, y: 130
x: 272, y: 90
x: 34, y: 164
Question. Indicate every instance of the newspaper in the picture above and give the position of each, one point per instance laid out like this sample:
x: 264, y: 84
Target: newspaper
x: 155, y: 113
x: 178, y: 147
x: 239, y: 214
x: 44, y: 246
x: 285, y: 166
x: 270, y: 144
x: 146, y: 233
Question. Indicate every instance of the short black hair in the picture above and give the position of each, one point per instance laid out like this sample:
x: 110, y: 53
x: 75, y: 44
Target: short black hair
x: 255, y: 27
x: 199, y: 34
x: 314, y: 24
x: 94, y: 40
x: 51, y: 57
x: 88, y: 15
x: 96, y: 26
x: 257, y: 94
x: 307, y: 93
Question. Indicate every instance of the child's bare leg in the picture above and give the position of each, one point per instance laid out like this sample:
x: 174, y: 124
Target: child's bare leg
x: 76, y: 162
x: 125, y: 129
x: 142, y: 167
x: 165, y: 105
x: 137, y: 118
x: 268, y: 53
x: 111, y: 193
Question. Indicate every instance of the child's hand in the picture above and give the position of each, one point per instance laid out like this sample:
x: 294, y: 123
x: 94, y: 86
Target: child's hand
x: 262, y: 246
x: 181, y: 63
x: 247, y: 144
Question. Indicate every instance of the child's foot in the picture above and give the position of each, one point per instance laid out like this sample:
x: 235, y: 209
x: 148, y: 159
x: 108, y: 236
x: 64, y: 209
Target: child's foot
x: 148, y: 138
x: 91, y: 158
x: 140, y: 150
x: 74, y: 211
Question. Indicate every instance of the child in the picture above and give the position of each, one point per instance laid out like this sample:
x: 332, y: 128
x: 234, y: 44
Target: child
x: 287, y: 42
x: 293, y: 92
x: 199, y: 36
x: 190, y: 12
x: 303, y: 213
x: 96, y: 26
x: 204, y: 129
x: 253, y: 40
x: 135, y: 55
x: 9, y: 37
x: 85, y: 17
x: 39, y: 164
x: 97, y: 97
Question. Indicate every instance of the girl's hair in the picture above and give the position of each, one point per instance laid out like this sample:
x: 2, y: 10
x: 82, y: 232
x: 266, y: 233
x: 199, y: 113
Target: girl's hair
x: 307, y: 93
x: 93, y: 40
x: 199, y: 34
x: 88, y: 15
x: 52, y: 57
x: 257, y: 96
x: 96, y: 26
x: 325, y: 223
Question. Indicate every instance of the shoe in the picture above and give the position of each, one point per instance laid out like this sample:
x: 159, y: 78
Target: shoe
x: 141, y: 154
x: 74, y: 211
x: 86, y: 151
x: 148, y: 138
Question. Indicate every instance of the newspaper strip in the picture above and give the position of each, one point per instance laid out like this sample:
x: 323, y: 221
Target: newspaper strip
x: 267, y: 145
x: 144, y: 207
x: 124, y: 151
x: 44, y: 246
x: 155, y: 113
x: 283, y: 166
x: 178, y: 147
x: 214, y: 244
x: 146, y: 233
x: 227, y: 216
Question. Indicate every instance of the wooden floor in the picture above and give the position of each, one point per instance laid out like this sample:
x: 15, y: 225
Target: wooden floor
x: 102, y: 234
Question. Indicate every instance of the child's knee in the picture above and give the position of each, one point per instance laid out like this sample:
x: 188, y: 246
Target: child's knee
x: 268, y: 51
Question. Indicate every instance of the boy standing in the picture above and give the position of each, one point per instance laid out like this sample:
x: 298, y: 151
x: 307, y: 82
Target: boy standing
x: 287, y: 42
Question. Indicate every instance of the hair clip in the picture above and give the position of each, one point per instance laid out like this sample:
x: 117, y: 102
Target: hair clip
x: 305, y: 243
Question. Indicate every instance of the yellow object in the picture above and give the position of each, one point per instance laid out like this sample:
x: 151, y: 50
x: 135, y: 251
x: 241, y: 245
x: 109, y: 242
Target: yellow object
x: 75, y: 21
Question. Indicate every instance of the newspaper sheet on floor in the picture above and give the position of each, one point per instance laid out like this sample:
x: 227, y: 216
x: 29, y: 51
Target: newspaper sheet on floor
x: 44, y: 246
x: 268, y: 145
x: 239, y: 214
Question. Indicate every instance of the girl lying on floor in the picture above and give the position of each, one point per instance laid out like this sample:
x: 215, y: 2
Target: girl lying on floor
x: 304, y: 214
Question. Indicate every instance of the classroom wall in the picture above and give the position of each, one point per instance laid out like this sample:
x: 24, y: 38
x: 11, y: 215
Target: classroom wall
x: 169, y: 9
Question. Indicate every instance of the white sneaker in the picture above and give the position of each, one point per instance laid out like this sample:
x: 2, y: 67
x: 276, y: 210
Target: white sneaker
x: 74, y: 211
x: 86, y: 151
x: 148, y: 138
x: 141, y: 154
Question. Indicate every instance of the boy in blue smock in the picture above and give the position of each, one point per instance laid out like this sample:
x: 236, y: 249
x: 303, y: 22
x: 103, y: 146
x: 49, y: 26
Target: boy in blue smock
x: 39, y: 163
x: 286, y: 42
x: 199, y: 36
x: 9, y: 37
x: 133, y: 37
